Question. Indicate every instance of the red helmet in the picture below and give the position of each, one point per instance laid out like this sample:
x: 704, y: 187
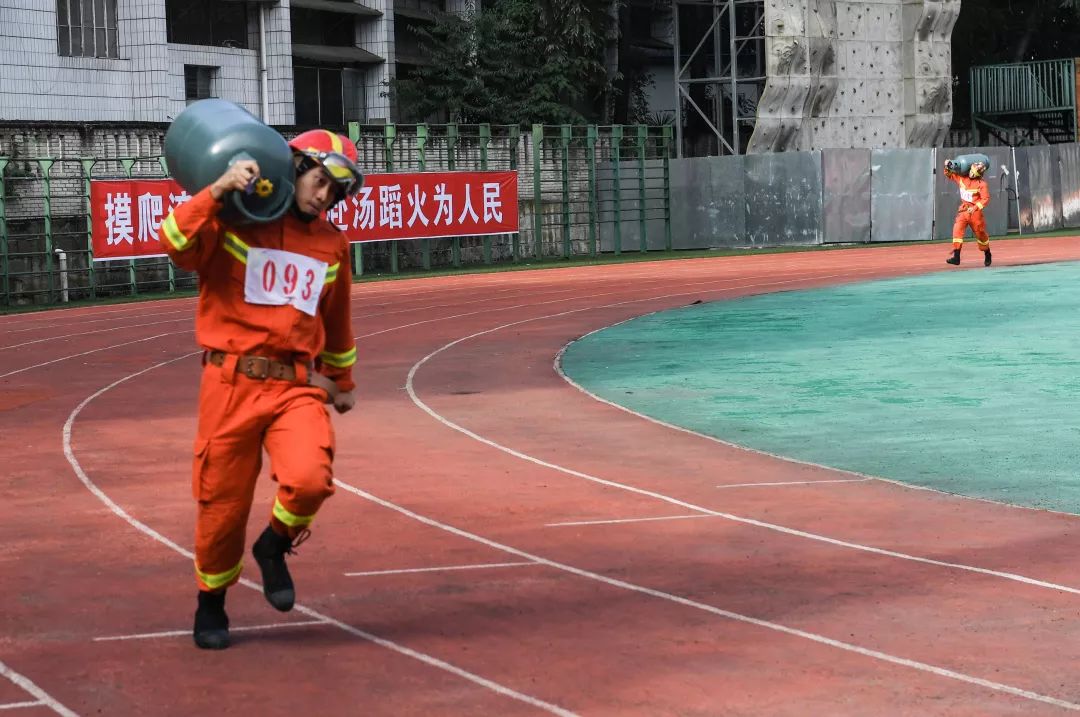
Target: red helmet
x: 335, y: 154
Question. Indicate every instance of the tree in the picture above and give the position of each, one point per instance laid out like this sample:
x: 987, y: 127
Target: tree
x: 450, y: 82
x: 514, y: 61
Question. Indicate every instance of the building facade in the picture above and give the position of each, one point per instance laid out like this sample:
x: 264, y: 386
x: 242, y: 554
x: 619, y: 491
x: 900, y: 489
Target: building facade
x: 291, y: 62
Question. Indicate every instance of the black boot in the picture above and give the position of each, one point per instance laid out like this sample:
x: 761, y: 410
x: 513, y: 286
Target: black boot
x: 955, y: 258
x: 987, y: 259
x: 211, y: 623
x: 269, y: 551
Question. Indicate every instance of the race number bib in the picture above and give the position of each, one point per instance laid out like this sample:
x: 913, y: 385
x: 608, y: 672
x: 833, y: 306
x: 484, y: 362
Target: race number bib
x: 968, y: 195
x: 276, y: 278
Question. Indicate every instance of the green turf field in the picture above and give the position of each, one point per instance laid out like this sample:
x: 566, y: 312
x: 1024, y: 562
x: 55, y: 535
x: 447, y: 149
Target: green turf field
x: 968, y: 382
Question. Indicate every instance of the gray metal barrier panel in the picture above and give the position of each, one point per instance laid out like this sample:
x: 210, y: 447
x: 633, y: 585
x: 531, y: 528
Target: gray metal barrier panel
x: 948, y: 194
x: 1039, y: 186
x: 851, y: 196
x: 784, y: 199
x: 1069, y: 167
x: 902, y: 195
x: 708, y: 202
x: 846, y: 195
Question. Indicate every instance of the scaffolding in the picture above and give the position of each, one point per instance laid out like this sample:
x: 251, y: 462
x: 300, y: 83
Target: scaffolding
x: 720, y: 74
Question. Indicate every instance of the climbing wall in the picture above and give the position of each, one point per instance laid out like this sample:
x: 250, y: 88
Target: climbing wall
x: 928, y: 26
x: 871, y: 74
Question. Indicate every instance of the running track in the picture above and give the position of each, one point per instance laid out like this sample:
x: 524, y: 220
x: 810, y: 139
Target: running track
x: 598, y: 569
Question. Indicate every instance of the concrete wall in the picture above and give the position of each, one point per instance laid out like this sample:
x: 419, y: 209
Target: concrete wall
x: 146, y: 82
x: 873, y: 74
x: 236, y: 79
x: 37, y: 84
x: 378, y: 38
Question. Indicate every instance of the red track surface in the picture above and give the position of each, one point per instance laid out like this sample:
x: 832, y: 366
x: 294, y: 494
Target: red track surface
x: 858, y: 598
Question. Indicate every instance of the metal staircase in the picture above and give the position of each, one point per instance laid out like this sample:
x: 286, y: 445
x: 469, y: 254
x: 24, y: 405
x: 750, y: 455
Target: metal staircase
x: 1035, y: 101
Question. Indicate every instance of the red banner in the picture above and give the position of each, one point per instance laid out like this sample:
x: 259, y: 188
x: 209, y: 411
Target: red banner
x: 430, y: 204
x: 127, y: 214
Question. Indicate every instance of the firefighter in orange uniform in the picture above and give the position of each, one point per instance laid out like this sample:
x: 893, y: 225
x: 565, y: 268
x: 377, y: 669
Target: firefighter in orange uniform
x: 273, y: 318
x: 974, y: 196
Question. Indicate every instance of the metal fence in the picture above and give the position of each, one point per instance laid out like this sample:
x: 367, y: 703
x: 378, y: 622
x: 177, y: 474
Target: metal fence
x: 45, y: 253
x: 1023, y: 87
x: 582, y: 190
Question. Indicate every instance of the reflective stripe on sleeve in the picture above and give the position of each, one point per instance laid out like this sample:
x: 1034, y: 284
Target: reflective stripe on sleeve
x: 177, y: 238
x: 341, y: 360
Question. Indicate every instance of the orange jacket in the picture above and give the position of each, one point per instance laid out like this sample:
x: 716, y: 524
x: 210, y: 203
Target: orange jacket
x: 225, y: 320
x: 973, y: 192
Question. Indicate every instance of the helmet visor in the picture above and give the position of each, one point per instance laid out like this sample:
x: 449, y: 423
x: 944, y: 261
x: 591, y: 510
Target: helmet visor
x: 342, y: 170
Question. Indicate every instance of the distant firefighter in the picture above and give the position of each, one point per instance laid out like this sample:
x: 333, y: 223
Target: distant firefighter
x: 967, y: 171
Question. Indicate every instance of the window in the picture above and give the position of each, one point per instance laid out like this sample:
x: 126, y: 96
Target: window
x: 312, y: 27
x: 86, y: 28
x: 318, y: 92
x: 207, y: 22
x: 198, y: 82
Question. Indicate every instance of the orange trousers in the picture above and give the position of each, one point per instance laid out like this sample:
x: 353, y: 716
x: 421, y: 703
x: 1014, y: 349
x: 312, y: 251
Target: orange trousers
x: 977, y: 222
x: 238, y: 418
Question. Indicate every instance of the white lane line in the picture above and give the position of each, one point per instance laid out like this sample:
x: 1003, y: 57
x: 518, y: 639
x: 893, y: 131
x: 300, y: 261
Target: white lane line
x: 776, y: 456
x: 410, y: 388
x: 142, y: 527
x: 474, y: 295
x: 617, y: 290
x: 626, y: 520
x: 95, y: 331
x: 42, y: 696
x: 518, y: 293
x: 90, y: 310
x: 187, y: 633
x: 436, y: 570
x: 17, y: 705
x: 362, y: 634
x: 794, y: 482
x: 94, y: 351
x: 98, y: 321
x: 775, y: 627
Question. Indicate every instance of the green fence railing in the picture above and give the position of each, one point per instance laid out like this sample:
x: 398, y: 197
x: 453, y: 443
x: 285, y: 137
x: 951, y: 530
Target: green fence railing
x: 583, y: 190
x: 1023, y: 87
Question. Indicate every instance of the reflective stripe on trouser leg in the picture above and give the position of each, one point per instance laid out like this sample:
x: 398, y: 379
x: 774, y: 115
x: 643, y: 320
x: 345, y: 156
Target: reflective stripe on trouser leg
x: 290, y: 519
x: 960, y: 225
x: 216, y: 581
x: 978, y: 226
x: 224, y: 504
x: 228, y: 457
x: 300, y: 443
x: 220, y: 530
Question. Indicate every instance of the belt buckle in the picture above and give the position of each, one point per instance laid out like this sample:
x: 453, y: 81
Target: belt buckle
x: 250, y: 363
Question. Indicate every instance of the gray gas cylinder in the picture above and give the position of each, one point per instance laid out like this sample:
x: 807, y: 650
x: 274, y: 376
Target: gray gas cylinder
x: 962, y: 164
x: 209, y: 136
